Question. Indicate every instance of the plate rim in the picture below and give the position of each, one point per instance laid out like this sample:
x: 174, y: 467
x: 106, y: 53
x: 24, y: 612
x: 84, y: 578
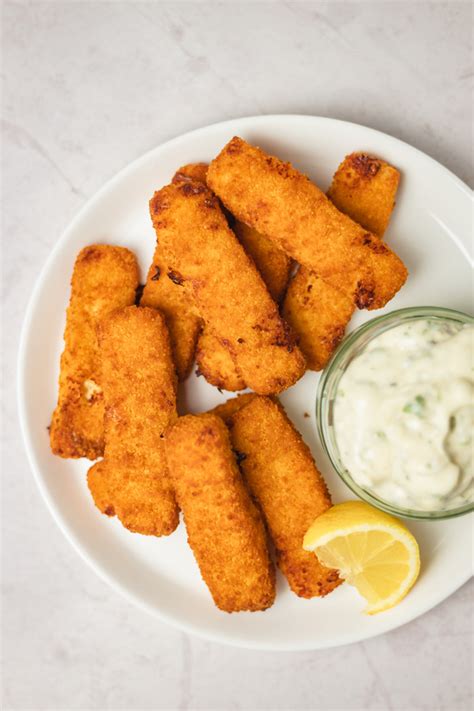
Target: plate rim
x: 61, y: 521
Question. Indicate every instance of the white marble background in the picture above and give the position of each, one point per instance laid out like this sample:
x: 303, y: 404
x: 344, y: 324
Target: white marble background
x: 88, y: 87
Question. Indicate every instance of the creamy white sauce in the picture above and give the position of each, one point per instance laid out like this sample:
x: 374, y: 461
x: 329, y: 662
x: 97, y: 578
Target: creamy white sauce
x: 404, y: 415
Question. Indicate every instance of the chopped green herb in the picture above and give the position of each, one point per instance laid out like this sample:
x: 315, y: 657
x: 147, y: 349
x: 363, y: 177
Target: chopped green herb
x: 416, y: 407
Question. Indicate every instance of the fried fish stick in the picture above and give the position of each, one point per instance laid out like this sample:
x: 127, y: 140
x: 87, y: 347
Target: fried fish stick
x: 225, y: 530
x: 182, y: 319
x: 214, y: 360
x: 282, y: 476
x: 104, y: 278
x: 278, y: 201
x: 161, y: 292
x: 191, y: 172
x: 364, y: 188
x: 229, y: 293
x: 216, y: 364
x: 139, y: 383
x: 227, y: 410
x: 318, y: 313
x: 273, y: 264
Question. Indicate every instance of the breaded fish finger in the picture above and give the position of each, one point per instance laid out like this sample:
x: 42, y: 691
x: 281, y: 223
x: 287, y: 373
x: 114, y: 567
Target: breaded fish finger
x: 213, y: 359
x: 161, y: 292
x: 182, y: 319
x: 225, y: 530
x: 216, y: 364
x: 191, y: 172
x: 104, y: 278
x: 364, y: 188
x: 229, y: 293
x: 139, y: 384
x: 228, y: 408
x: 287, y: 207
x: 282, y: 476
x: 318, y: 313
x: 273, y: 264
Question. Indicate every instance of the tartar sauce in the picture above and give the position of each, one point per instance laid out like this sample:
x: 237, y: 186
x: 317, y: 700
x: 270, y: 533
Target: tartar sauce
x: 404, y: 415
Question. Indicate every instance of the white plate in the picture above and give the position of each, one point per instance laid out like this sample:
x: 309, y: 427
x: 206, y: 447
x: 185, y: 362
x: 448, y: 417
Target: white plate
x: 430, y: 230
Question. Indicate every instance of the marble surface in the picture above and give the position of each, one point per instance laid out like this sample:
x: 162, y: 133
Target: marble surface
x: 88, y: 87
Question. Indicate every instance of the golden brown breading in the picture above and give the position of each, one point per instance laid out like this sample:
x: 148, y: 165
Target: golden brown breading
x: 282, y: 476
x: 104, y: 278
x: 364, y: 188
x: 215, y: 363
x: 213, y: 359
x: 318, y: 313
x: 272, y: 263
x: 161, y: 292
x: 287, y: 207
x: 100, y: 485
x: 182, y: 320
x: 228, y: 408
x: 228, y: 291
x: 139, y: 384
x: 191, y: 172
x: 225, y: 530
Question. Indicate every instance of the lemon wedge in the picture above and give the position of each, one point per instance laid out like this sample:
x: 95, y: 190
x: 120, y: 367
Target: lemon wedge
x: 371, y: 550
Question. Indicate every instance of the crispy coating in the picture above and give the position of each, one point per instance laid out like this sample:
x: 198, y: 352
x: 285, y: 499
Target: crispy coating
x: 227, y: 289
x: 161, y: 292
x: 101, y: 487
x: 214, y: 360
x: 318, y: 313
x: 287, y: 207
x: 227, y: 410
x: 282, y: 476
x: 191, y: 172
x: 104, y: 278
x: 225, y: 530
x: 215, y: 363
x: 182, y: 319
x: 139, y: 385
x: 273, y: 264
x: 364, y: 188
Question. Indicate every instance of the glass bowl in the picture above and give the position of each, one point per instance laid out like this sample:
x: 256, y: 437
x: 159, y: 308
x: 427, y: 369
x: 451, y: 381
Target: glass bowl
x: 350, y: 347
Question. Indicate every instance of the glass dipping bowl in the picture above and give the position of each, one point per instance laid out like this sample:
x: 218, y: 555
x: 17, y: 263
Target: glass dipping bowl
x: 351, y: 347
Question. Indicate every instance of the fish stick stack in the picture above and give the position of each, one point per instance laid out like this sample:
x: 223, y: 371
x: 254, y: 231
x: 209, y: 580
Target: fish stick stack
x: 227, y: 237
x: 227, y: 289
x: 213, y: 359
x: 283, y: 204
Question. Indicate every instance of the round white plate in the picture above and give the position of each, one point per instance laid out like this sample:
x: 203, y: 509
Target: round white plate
x: 430, y: 230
